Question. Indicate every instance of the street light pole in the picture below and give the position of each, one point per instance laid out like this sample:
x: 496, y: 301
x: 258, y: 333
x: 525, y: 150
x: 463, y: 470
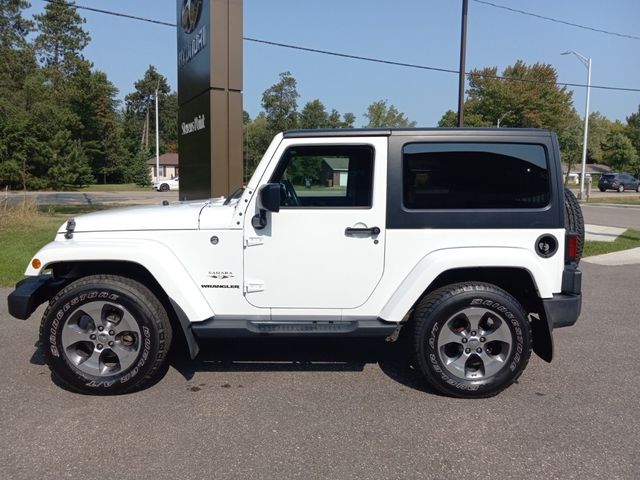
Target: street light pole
x: 157, y: 141
x: 502, y: 118
x: 587, y: 63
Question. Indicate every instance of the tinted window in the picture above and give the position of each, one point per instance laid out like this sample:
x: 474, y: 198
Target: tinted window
x: 475, y: 176
x: 326, y: 176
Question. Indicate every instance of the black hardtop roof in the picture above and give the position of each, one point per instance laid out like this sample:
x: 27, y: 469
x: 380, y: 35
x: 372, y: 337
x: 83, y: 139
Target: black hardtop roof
x: 366, y: 132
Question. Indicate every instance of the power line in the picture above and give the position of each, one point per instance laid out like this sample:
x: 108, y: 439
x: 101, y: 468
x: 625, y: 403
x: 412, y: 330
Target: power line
x: 425, y: 67
x: 115, y: 14
x: 347, y: 55
x: 556, y: 20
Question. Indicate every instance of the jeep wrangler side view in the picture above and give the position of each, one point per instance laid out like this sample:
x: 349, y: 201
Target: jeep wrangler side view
x: 466, y: 239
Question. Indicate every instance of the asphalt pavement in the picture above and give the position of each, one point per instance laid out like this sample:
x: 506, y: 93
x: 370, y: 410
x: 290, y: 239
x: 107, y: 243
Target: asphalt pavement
x: 624, y: 216
x: 134, y: 197
x: 343, y: 410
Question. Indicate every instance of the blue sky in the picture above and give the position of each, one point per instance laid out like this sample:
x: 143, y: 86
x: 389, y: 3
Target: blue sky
x: 425, y: 32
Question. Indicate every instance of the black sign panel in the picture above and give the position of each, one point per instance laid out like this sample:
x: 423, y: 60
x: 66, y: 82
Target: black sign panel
x: 194, y: 134
x: 194, y: 48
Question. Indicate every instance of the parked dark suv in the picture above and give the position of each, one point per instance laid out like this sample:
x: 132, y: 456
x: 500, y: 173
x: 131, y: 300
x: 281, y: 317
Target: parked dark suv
x: 619, y: 182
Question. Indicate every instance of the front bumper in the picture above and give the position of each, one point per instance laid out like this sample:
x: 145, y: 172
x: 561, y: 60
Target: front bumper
x: 30, y: 293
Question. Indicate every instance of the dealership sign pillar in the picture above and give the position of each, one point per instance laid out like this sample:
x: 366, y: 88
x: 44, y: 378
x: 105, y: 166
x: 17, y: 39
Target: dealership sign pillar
x: 209, y: 97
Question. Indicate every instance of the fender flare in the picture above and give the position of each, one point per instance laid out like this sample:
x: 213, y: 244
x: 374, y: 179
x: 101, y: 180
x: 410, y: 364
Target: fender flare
x: 154, y: 256
x: 439, y: 261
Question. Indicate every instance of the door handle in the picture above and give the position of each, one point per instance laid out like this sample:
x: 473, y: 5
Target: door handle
x: 362, y: 231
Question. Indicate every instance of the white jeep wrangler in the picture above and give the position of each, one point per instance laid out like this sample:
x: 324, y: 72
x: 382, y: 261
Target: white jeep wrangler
x: 466, y: 238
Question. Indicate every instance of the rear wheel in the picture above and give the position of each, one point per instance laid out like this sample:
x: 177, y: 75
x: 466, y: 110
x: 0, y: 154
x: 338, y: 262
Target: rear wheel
x: 105, y: 334
x: 164, y: 187
x: 471, y: 339
x: 602, y: 189
x: 621, y: 188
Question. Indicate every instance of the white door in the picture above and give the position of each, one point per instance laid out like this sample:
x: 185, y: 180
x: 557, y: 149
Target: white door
x: 324, y: 249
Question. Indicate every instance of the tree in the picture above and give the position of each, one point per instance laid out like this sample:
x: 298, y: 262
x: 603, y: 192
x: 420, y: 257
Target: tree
x: 16, y: 55
x: 139, y: 113
x: 450, y: 120
x: 258, y: 136
x: 138, y: 172
x: 619, y: 153
x: 632, y: 129
x: 599, y: 128
x: 280, y: 104
x: 69, y: 165
x: 381, y: 115
x: 336, y: 121
x: 61, y: 39
x: 14, y: 28
x: 17, y: 62
x: 570, y: 140
x: 525, y: 96
x: 313, y: 115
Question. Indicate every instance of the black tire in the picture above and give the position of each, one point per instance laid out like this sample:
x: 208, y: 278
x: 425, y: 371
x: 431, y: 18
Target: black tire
x: 164, y: 187
x: 574, y: 220
x: 603, y: 189
x: 104, y: 335
x: 620, y: 188
x: 433, y: 319
x: 638, y: 188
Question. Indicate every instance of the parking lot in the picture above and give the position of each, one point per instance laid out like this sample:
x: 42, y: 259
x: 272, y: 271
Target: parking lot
x: 336, y: 410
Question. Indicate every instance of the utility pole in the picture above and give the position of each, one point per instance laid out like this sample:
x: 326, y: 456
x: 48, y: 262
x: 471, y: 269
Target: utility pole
x: 463, y: 54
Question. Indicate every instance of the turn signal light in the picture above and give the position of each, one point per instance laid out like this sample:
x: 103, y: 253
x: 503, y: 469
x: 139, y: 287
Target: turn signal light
x: 35, y: 263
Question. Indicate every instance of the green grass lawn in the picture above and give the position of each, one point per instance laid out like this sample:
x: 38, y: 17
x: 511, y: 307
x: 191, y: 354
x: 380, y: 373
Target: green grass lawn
x: 20, y: 243
x: 626, y: 199
x: 629, y: 239
x: 24, y: 230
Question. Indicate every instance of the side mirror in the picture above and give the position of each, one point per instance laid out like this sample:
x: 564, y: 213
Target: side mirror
x: 269, y: 197
x: 268, y: 200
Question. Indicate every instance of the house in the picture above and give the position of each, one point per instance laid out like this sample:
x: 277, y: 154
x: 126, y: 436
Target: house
x: 590, y: 169
x: 335, y: 171
x: 169, y: 167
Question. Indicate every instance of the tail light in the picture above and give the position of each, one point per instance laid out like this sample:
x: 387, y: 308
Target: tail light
x: 571, y: 247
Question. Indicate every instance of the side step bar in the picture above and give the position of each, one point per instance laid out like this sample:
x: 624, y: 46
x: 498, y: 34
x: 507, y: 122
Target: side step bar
x: 223, y: 328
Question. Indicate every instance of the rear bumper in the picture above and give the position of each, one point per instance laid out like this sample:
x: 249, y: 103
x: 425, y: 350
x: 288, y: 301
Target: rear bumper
x: 30, y: 293
x: 564, y: 308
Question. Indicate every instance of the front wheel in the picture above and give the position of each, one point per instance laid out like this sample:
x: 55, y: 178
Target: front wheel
x: 164, y: 187
x: 603, y: 189
x: 621, y: 188
x: 105, y: 334
x: 471, y: 339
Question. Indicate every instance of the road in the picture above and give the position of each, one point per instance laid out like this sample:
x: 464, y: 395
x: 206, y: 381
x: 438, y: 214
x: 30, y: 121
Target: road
x: 612, y: 216
x: 135, y: 197
x: 332, y: 410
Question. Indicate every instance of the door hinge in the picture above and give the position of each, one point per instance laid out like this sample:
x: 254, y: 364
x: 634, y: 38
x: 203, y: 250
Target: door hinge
x: 252, y: 241
x: 251, y: 286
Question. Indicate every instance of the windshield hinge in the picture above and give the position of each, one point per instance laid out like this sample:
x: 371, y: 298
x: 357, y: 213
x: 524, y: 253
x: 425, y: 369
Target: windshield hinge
x: 251, y: 286
x: 252, y: 241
